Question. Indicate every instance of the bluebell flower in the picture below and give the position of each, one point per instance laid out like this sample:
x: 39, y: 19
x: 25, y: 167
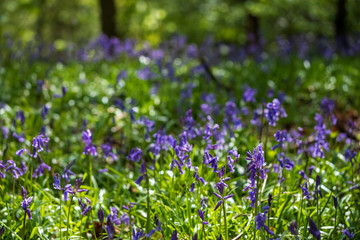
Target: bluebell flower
x: 335, y: 201
x: 254, y: 170
x: 110, y: 227
x: 350, y: 156
x: 249, y: 94
x: 39, y: 171
x: 5, y: 132
x: 20, y: 116
x: 260, y: 220
x: 90, y: 148
x: 317, y: 186
x: 137, y: 235
x: 293, y: 228
x: 100, y: 215
x: 201, y: 215
x: 313, y: 229
x: 305, y: 191
x: 20, y: 138
x: 107, y: 151
x: 157, y: 223
x: 85, y: 206
x: 273, y: 111
x: 174, y: 235
x: 10, y: 165
x: 281, y: 137
x: 327, y: 106
x: 302, y: 173
x: 44, y: 111
x: 135, y: 155
x: 26, y: 202
x: 76, y: 189
x: 347, y: 233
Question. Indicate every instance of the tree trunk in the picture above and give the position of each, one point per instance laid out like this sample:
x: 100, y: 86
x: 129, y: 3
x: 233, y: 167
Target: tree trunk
x: 107, y: 17
x: 252, y: 29
x: 340, y: 25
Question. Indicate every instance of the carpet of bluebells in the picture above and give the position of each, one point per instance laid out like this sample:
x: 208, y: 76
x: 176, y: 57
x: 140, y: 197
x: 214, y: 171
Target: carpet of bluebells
x: 120, y: 140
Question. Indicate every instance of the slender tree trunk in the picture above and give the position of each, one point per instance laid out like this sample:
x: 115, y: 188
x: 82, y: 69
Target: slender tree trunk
x: 340, y: 25
x: 107, y: 17
x: 252, y: 29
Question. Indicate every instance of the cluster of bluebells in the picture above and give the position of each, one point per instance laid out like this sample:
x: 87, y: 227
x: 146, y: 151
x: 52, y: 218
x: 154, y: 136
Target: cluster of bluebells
x: 260, y: 219
x: 113, y: 220
x: 25, y: 204
x: 220, y: 186
x: 39, y: 143
x: 90, y: 148
x: 255, y: 171
x: 273, y: 111
x: 10, y: 166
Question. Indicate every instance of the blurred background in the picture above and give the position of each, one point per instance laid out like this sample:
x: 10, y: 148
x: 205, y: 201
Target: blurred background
x: 228, y: 21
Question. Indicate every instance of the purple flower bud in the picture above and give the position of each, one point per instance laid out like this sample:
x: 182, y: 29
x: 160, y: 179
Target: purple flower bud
x: 101, y: 215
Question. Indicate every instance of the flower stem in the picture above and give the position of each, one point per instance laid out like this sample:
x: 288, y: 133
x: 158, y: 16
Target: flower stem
x: 60, y: 218
x: 24, y: 225
x: 225, y: 222
x: 203, y: 232
x: 81, y: 227
x: 68, y: 217
x: 148, y: 203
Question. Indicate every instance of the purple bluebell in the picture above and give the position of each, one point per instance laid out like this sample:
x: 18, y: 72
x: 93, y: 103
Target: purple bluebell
x: 90, y: 148
x: 201, y: 215
x: 303, y: 174
x: 254, y: 170
x: 26, y: 202
x: 273, y: 111
x: 174, y: 235
x: 145, y: 74
x: 137, y: 235
x: 125, y: 219
x: 305, y: 191
x: 281, y: 137
x: 317, y: 186
x: 293, y: 228
x: 260, y: 220
x: 68, y: 172
x: 119, y: 104
x: 269, y: 203
x: 85, y: 206
x: 10, y: 165
x: 320, y: 143
x: 5, y: 132
x: 44, y: 111
x: 39, y: 84
x: 249, y: 95
x: 76, y: 189
x: 350, y: 156
x: 313, y: 229
x: 107, y: 151
x: 121, y: 76
x: 327, y: 106
x: 100, y: 215
x: 20, y: 116
x: 157, y: 223
x: 135, y: 155
x: 148, y: 235
x: 347, y: 233
x: 64, y: 90
x: 311, y: 168
x: 39, y: 171
x: 335, y: 201
x: 110, y: 229
x: 20, y: 138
